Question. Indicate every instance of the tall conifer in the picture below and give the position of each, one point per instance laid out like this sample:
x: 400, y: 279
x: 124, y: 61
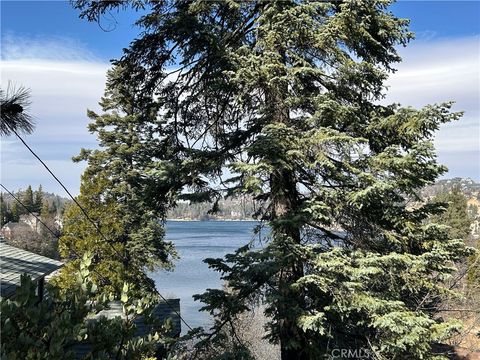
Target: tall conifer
x: 285, y: 94
x: 118, y: 194
x: 38, y: 199
x: 5, y: 214
x: 28, y: 199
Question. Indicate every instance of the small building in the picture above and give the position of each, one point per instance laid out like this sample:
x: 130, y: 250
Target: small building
x: 31, y: 220
x: 167, y: 309
x: 9, y: 229
x: 15, y: 262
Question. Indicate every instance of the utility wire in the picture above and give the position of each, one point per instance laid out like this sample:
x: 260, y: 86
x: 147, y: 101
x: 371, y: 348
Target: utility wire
x: 68, y: 192
x: 46, y: 226
x: 26, y: 208
x: 86, y: 215
x: 56, y: 236
x: 175, y: 311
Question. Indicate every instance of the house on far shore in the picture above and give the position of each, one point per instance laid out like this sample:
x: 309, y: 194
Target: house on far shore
x: 15, y: 262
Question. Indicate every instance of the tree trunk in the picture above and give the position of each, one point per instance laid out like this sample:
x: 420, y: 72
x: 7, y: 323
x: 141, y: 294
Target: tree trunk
x: 285, y: 197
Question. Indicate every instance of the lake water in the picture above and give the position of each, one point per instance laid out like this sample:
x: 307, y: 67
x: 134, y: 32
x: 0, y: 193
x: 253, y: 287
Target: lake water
x: 195, y: 241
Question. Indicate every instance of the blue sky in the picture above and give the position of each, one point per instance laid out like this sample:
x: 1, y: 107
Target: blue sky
x: 63, y: 59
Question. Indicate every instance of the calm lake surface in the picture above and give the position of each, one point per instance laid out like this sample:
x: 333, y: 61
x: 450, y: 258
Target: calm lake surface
x: 195, y: 241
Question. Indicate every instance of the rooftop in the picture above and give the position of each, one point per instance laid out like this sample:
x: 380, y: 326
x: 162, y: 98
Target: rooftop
x: 169, y: 309
x: 15, y: 262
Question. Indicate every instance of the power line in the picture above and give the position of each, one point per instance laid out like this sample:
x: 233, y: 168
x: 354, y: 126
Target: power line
x: 86, y: 215
x: 43, y: 223
x: 175, y: 311
x: 46, y: 226
x: 26, y: 208
x: 56, y: 236
x: 68, y: 192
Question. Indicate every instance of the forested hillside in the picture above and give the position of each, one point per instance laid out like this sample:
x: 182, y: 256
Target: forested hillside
x: 21, y: 223
x: 237, y: 208
x: 37, y: 201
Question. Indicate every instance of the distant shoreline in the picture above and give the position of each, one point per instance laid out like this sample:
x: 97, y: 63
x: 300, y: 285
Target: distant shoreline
x: 212, y: 220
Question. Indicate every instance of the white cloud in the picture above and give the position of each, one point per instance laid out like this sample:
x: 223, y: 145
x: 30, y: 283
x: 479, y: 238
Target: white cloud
x: 443, y: 70
x: 437, y: 71
x: 23, y: 172
x: 57, y: 48
x: 66, y: 79
x: 61, y: 93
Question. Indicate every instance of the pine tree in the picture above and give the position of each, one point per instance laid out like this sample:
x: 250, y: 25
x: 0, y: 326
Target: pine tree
x: 15, y: 211
x: 53, y: 209
x: 45, y: 210
x: 27, y: 200
x: 455, y: 215
x: 14, y: 103
x: 285, y: 95
x: 473, y: 273
x: 38, y: 200
x: 117, y: 192
x: 4, y: 213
